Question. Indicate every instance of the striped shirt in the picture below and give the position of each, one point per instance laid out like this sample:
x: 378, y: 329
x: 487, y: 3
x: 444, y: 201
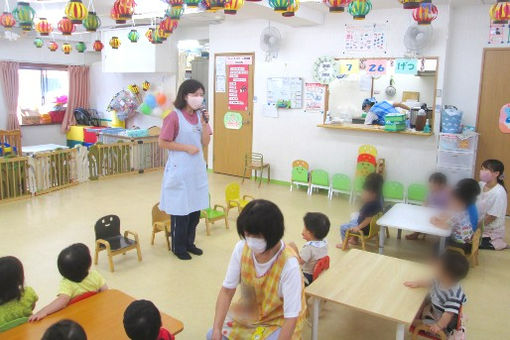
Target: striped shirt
x: 447, y: 300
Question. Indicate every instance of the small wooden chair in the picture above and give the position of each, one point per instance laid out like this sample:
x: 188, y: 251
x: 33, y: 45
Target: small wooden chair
x: 373, y: 232
x: 420, y: 330
x: 472, y: 256
x: 211, y: 215
x: 160, y: 222
x: 255, y: 162
x: 108, y: 238
x: 233, y: 197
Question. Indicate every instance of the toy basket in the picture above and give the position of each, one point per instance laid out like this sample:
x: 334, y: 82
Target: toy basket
x: 451, y: 119
x: 57, y: 116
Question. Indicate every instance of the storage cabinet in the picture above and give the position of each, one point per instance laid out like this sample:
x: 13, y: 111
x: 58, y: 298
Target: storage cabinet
x: 456, y: 156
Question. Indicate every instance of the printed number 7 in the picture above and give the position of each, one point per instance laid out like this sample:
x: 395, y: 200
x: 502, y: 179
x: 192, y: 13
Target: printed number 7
x: 349, y: 67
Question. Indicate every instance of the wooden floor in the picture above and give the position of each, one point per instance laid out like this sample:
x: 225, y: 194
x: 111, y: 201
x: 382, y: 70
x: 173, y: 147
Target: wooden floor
x: 35, y: 230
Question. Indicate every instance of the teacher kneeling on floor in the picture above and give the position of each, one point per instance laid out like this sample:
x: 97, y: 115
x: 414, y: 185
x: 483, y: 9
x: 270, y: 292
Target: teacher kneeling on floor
x: 185, y: 187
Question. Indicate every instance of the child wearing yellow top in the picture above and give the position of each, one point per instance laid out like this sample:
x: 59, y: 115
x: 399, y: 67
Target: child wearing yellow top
x: 16, y: 300
x: 74, y: 264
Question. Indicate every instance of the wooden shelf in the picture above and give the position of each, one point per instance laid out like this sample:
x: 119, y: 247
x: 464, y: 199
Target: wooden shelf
x: 372, y: 128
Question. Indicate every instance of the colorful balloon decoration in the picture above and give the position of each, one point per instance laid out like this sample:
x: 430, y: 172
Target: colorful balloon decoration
x: 192, y: 3
x: 500, y: 12
x: 24, y: 15
x: 76, y: 11
x: 337, y: 6
x: 232, y: 6
x: 124, y: 103
x: 38, y: 42
x: 97, y: 46
x: 125, y: 8
x: 410, y: 4
x: 66, y: 26
x: 360, y: 8
x: 43, y: 27
x: 426, y: 13
x: 66, y: 48
x: 53, y: 46
x: 133, y: 36
x: 292, y: 9
x: 91, y: 22
x: 7, y: 20
x: 115, y: 43
x: 80, y: 46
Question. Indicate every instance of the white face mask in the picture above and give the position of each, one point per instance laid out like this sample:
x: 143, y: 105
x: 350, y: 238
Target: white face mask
x: 257, y: 245
x: 195, y: 102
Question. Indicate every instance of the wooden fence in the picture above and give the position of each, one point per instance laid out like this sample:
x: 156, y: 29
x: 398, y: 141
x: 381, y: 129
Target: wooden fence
x: 11, y: 138
x: 110, y: 159
x: 52, y: 170
x: 13, y: 178
x: 147, y: 155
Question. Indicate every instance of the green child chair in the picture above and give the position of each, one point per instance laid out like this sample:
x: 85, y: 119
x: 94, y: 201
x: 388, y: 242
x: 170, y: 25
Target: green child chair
x: 319, y: 179
x: 393, y: 191
x: 416, y: 194
x: 211, y: 215
x: 340, y: 183
x: 299, y: 174
x: 359, y: 181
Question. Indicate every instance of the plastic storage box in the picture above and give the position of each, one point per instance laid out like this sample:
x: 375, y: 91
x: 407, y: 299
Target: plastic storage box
x: 456, y: 142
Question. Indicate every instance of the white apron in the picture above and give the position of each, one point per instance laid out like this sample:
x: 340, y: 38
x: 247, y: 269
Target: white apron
x: 185, y: 188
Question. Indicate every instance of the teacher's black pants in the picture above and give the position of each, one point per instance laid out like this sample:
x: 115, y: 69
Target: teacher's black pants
x: 183, y: 231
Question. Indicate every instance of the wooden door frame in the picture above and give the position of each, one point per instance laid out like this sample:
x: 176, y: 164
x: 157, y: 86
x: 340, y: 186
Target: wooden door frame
x: 233, y: 54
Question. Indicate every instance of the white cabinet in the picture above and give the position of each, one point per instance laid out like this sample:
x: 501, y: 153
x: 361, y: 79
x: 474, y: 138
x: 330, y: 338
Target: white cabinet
x: 456, y: 156
x: 141, y: 56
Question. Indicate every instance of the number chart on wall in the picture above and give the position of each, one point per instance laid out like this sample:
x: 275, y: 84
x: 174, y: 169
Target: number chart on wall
x: 285, y: 92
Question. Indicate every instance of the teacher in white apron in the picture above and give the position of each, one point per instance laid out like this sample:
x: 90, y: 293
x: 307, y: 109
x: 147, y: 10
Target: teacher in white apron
x: 185, y: 189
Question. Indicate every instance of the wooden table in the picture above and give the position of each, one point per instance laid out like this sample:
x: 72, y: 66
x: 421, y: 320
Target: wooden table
x: 373, y: 284
x: 413, y: 218
x: 100, y: 315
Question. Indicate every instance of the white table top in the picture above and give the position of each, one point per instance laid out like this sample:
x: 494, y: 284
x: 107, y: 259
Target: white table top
x: 29, y: 150
x: 414, y: 218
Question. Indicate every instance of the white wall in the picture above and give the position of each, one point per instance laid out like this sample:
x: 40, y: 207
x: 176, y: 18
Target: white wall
x: 408, y: 158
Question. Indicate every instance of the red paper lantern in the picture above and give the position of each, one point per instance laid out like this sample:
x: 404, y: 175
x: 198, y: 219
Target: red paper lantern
x: 168, y: 25
x: 98, y: 46
x: 426, y: 13
x: 66, y: 26
x: 115, y: 15
x: 43, y: 27
x: 500, y: 12
x: 53, y: 46
x: 7, y: 20
x: 125, y: 8
x: 232, y: 6
x: 175, y: 3
x: 337, y: 6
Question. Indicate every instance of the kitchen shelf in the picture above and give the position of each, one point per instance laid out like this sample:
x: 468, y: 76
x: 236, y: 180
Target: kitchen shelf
x: 372, y: 128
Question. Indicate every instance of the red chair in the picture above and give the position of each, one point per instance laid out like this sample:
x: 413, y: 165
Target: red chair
x: 320, y: 266
x: 81, y: 297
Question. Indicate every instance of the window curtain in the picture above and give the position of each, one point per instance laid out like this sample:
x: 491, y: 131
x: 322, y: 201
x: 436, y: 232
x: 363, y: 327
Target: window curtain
x: 10, y: 84
x: 78, y: 94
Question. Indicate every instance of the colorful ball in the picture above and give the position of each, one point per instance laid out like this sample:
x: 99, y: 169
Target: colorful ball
x: 160, y: 99
x: 145, y: 109
x: 150, y: 100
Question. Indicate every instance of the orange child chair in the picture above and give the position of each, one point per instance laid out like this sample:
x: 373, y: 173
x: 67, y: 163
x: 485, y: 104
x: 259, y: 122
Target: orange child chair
x: 233, y: 197
x: 373, y: 232
x: 320, y: 266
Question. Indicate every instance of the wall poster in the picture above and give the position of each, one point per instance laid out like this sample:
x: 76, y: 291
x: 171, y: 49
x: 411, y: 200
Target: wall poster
x: 315, y: 97
x: 366, y: 38
x: 238, y: 86
x: 499, y: 34
x: 504, y: 119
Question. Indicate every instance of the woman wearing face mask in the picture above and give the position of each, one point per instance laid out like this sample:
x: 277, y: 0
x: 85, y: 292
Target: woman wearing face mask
x: 185, y: 189
x: 272, y: 302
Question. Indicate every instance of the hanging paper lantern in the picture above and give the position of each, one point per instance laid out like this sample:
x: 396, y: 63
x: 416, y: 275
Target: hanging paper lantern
x: 174, y: 12
x: 97, y: 46
x: 24, y: 15
x: 38, y: 42
x: 53, y: 46
x: 156, y: 38
x: 150, y: 34
x: 162, y: 34
x: 192, y: 3
x: 280, y: 5
x: 425, y: 14
x: 91, y: 22
x: 115, y: 15
x: 125, y: 8
x: 291, y: 10
x: 133, y: 36
x: 337, y: 6
x: 7, y: 20
x: 500, y: 12
x: 76, y: 11
x: 360, y: 8
x: 66, y: 26
x: 206, y: 5
x: 232, y: 6
x: 43, y: 27
x: 410, y: 4
x: 217, y: 4
x: 175, y: 3
x: 168, y: 25
x: 115, y: 42
x: 66, y: 48
x: 81, y: 47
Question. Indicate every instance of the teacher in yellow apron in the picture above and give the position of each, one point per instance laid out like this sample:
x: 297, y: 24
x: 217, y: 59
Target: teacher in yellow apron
x: 271, y: 302
x: 185, y: 189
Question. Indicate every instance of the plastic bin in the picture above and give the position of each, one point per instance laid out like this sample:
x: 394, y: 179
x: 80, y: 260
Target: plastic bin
x: 57, y: 116
x: 455, y: 159
x: 72, y: 143
x: 76, y: 133
x: 90, y: 134
x: 451, y: 119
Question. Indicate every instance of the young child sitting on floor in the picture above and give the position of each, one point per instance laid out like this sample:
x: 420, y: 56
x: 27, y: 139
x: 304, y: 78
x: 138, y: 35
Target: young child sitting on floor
x: 65, y: 330
x: 437, y: 198
x: 316, y: 247
x: 446, y: 296
x: 74, y: 265
x: 16, y: 300
x: 142, y: 321
x: 462, y: 217
x: 371, y: 197
x: 492, y: 205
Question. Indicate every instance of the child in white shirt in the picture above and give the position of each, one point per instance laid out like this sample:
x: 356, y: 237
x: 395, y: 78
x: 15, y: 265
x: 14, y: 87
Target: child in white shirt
x: 492, y: 205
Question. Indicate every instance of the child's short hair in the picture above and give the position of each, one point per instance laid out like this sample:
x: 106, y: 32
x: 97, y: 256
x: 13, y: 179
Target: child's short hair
x: 438, y: 178
x: 454, y: 265
x: 261, y: 217
x: 74, y: 262
x: 142, y: 320
x: 13, y: 279
x: 65, y: 330
x: 467, y: 190
x: 374, y: 183
x: 317, y: 223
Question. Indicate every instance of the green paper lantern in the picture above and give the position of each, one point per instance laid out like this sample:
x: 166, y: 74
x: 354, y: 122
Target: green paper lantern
x: 175, y: 12
x: 280, y: 5
x: 81, y: 47
x: 133, y: 36
x: 359, y: 9
x: 24, y: 15
x: 192, y: 3
x: 38, y: 42
x: 91, y: 22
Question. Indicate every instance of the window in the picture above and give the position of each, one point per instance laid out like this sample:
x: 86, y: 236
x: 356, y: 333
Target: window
x: 43, y: 90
